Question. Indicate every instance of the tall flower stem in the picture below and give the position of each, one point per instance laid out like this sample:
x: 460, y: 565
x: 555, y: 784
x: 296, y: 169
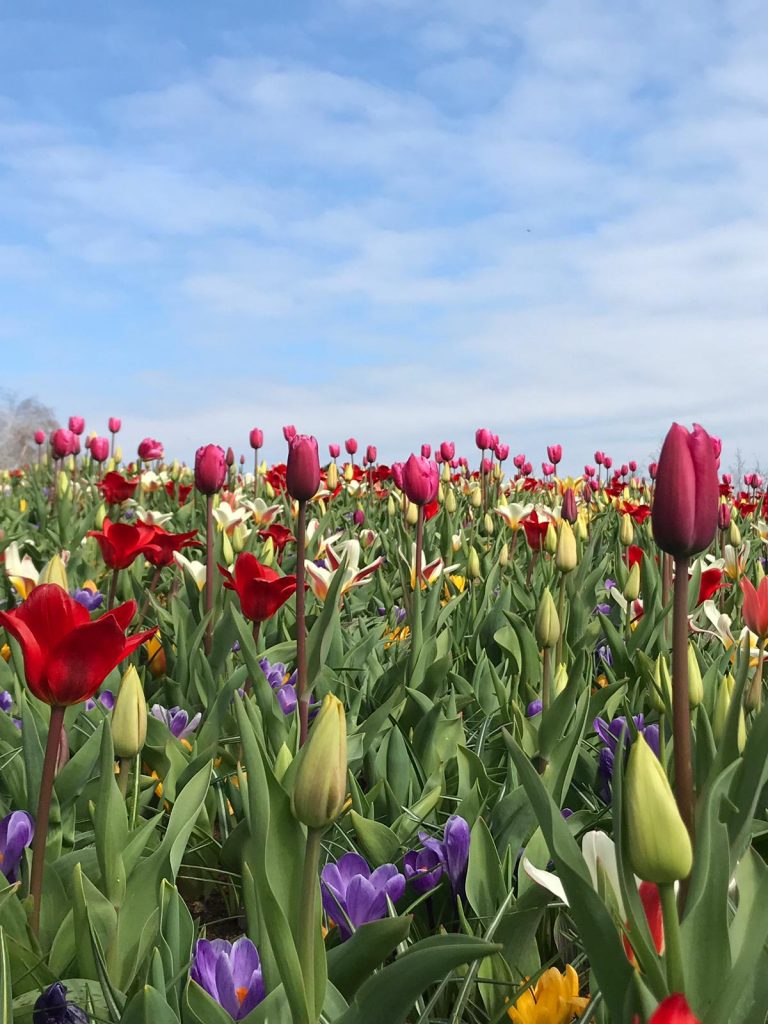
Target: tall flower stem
x: 546, y: 686
x: 301, y: 629
x: 43, y: 812
x: 681, y: 716
x: 152, y: 588
x: 136, y: 792
x: 666, y: 586
x: 209, y: 536
x: 256, y: 472
x: 561, y: 618
x: 674, y: 952
x: 419, y: 546
x: 308, y: 923
x: 755, y: 695
x: 112, y: 590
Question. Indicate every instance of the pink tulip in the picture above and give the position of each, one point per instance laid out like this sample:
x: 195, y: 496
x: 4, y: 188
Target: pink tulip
x: 519, y: 461
x: 653, y: 469
x: 687, y: 495
x: 150, y: 449
x: 502, y: 452
x: 63, y: 443
x: 483, y: 438
x: 426, y: 451
x: 351, y: 446
x: 632, y: 466
x: 420, y: 480
x: 99, y: 449
x: 723, y: 516
x: 554, y: 453
x: 76, y: 424
x: 210, y: 468
x: 39, y: 437
x: 599, y: 457
x: 727, y: 479
x: 589, y: 471
x: 114, y: 424
x: 448, y: 451
x: 527, y: 468
x: 624, y: 469
x: 256, y: 438
x: 371, y: 453
x: 548, y: 469
x: 607, y: 461
x: 289, y: 432
x: 334, y: 450
x: 302, y: 476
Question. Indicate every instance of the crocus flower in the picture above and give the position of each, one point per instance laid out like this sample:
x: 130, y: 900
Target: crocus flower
x: 302, y: 475
x: 420, y: 480
x: 66, y: 655
x: 52, y: 1007
x: 177, y: 720
x: 89, y: 599
x: 6, y: 700
x: 114, y: 425
x: 116, y: 488
x: 260, y: 589
x: 534, y: 708
x: 210, y: 468
x: 150, y: 449
x: 452, y: 854
x: 106, y: 698
x: 353, y: 895
x: 686, y: 495
x: 121, y: 543
x: 17, y: 830
x: 230, y: 974
x: 282, y: 682
x: 615, y: 735
x: 755, y: 610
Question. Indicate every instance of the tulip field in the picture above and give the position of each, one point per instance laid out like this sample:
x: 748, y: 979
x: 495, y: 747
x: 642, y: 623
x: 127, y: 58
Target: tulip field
x: 446, y: 741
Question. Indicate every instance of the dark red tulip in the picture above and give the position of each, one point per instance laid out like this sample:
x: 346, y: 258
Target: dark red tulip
x: 569, y: 512
x: 210, y: 468
x: 256, y: 437
x: 686, y: 498
x: 121, y: 543
x: 99, y: 449
x: 420, y: 480
x: 652, y: 469
x: 229, y: 458
x: 160, y: 550
x: 302, y: 475
x: 278, y: 534
x: 723, y: 516
x: 260, y: 589
x: 116, y: 488
x: 66, y: 655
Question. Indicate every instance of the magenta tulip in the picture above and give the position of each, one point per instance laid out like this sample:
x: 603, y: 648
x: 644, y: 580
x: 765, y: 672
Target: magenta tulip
x: 334, y: 450
x: 371, y: 453
x: 569, y: 512
x: 396, y: 469
x: 554, y: 453
x: 502, y: 452
x: 76, y: 424
x: 599, y: 457
x: 632, y: 466
x: 447, y: 450
x: 420, y: 480
x: 150, y: 449
x: 256, y: 438
x: 99, y: 449
x: 589, y: 471
x: 519, y: 461
x: 289, y: 432
x: 426, y: 451
x: 39, y: 437
x: 229, y: 458
x: 63, y: 443
x: 483, y: 438
x: 607, y: 461
x: 210, y: 468
x: 114, y: 424
x: 351, y: 446
x: 686, y: 498
x: 303, y: 469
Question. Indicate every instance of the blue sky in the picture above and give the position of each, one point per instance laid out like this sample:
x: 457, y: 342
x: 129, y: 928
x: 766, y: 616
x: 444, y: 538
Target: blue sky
x: 399, y: 219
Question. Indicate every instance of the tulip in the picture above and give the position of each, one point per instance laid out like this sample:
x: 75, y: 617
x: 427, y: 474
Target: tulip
x: 350, y: 446
x: 129, y: 717
x: 55, y: 572
x: 473, y: 564
x: 289, y: 432
x: 420, y: 480
x: 371, y: 453
x: 332, y: 476
x: 426, y: 451
x: 653, y: 468
x: 723, y: 516
x: 303, y: 468
x: 632, y: 586
x: 256, y: 438
x: 519, y: 461
x: 334, y: 450
x: 599, y: 457
x: 62, y: 443
x: 76, y: 424
x: 39, y: 437
x: 686, y: 499
x: 695, y: 681
x: 114, y: 425
x: 527, y: 468
x: 755, y: 610
x: 626, y: 530
x: 554, y: 453
x: 116, y: 489
x: 320, y: 786
x: 673, y: 1010
x: 261, y: 590
x: 547, y: 625
x: 658, y: 842
x: 566, y: 556
x: 569, y: 512
x: 501, y: 452
x: 548, y: 468
x: 121, y: 543
x: 447, y: 450
x: 607, y: 461
x: 722, y: 704
x: 589, y: 471
x: 210, y: 469
x: 150, y: 449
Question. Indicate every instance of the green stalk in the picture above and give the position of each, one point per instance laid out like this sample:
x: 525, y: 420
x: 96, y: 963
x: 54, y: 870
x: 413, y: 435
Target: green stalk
x: 673, y: 946
x: 681, y: 714
x: 136, y: 790
x: 209, y: 560
x: 308, y: 924
x: 43, y: 812
x: 561, y: 619
x: 302, y: 687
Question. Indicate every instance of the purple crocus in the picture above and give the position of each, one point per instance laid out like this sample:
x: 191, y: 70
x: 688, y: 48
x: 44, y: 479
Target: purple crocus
x: 230, y: 974
x: 353, y: 895
x: 616, y: 734
x: 283, y: 683
x: 52, y: 1007
x: 6, y: 700
x: 89, y: 599
x: 17, y: 831
x: 534, y: 708
x: 106, y: 699
x: 424, y: 868
x: 603, y: 608
x: 177, y: 720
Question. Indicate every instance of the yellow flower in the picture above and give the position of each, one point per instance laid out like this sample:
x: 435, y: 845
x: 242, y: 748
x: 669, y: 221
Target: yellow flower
x: 396, y: 635
x: 156, y: 655
x: 554, y: 999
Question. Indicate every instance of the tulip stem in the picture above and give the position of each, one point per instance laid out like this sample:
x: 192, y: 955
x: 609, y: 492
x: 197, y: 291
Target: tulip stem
x: 561, y: 619
x: 546, y: 686
x: 755, y: 696
x: 209, y: 572
x: 122, y: 778
x: 43, y: 812
x: 112, y: 590
x: 681, y: 714
x: 672, y: 943
x: 666, y: 582
x: 308, y: 923
x: 301, y: 630
x: 419, y: 545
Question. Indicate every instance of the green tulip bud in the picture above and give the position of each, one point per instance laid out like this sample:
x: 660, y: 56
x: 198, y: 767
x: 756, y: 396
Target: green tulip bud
x: 632, y: 586
x: 101, y: 515
x: 547, y: 623
x: 129, y: 716
x: 475, y: 497
x: 55, y: 572
x: 226, y: 549
x: 561, y: 678
x: 722, y: 703
x: 412, y: 514
x: 473, y: 564
x: 695, y: 682
x: 626, y: 530
x: 659, y: 845
x: 566, y: 555
x: 504, y: 555
x: 391, y: 506
x: 320, y: 786
x: 450, y: 501
x: 268, y: 552
x: 734, y: 534
x: 488, y: 524
x: 550, y: 539
x: 62, y: 484
x: 445, y: 472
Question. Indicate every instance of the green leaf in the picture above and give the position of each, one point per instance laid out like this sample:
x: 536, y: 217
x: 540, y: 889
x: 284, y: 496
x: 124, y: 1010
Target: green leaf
x: 379, y: 843
x: 6, y: 996
x: 352, y: 962
x: 148, y: 1006
x: 485, y: 885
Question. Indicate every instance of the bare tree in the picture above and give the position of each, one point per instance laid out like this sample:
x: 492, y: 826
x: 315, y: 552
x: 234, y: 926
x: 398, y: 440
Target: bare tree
x: 19, y: 419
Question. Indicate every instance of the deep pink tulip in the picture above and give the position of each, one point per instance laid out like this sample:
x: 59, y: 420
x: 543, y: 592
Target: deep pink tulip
x: 589, y: 471
x: 76, y: 424
x: 39, y: 437
x: 230, y: 457
x: 114, y: 425
x: 755, y: 610
x: 426, y: 451
x: 448, y: 450
x: 548, y: 469
x: 623, y: 469
x: 723, y: 516
x: 358, y: 517
x: 210, y: 468
x: 88, y: 443
x: 653, y: 469
x: 351, y: 446
x: 519, y: 461
x: 396, y: 469
x: 632, y: 466
x: 99, y: 449
x: 687, y: 494
x: 594, y: 484
x: 63, y: 443
x: 256, y: 438
x: 438, y: 457
x: 242, y: 460
x: 302, y: 475
x: 483, y: 438
x: 334, y: 450
x: 527, y: 468
x: 371, y: 453
x: 607, y: 461
x: 727, y: 479
x: 420, y: 480
x: 289, y: 432
x: 717, y: 445
x: 150, y: 449
x: 599, y: 457
x: 487, y: 465
x: 554, y: 453
x: 502, y: 452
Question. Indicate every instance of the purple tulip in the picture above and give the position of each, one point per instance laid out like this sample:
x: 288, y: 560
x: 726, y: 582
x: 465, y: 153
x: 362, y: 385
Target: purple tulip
x: 353, y: 895
x: 452, y: 857
x: 89, y: 599
x: 17, y: 831
x: 52, y: 1007
x: 230, y: 974
x: 177, y: 720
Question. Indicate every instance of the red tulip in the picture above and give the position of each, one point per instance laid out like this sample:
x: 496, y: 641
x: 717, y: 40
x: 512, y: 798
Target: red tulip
x: 99, y: 449
x: 483, y: 438
x: 210, y: 468
x: 711, y: 581
x: 289, y: 432
x: 755, y: 610
x: 653, y: 468
x: 160, y: 550
x: 674, y: 1010
x: 624, y: 469
x: 63, y: 443
x: 351, y: 446
x: 114, y: 424
x: 260, y: 589
x: 554, y: 452
x: 279, y: 535
x: 116, y: 488
x: 302, y: 476
x: 687, y: 495
x: 371, y: 453
x: 420, y: 480
x: 76, y: 424
x: 66, y: 655
x: 150, y: 449
x: 39, y: 437
x: 121, y: 543
x: 334, y: 450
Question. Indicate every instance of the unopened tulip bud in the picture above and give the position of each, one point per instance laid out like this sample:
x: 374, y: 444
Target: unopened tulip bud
x: 488, y: 523
x: 504, y: 555
x: 302, y: 474
x: 723, y: 516
x: 734, y: 534
x: 720, y: 714
x: 445, y: 472
x: 561, y: 678
x: 227, y: 551
x: 320, y: 785
x: 566, y: 555
x: 412, y: 514
x: 475, y: 497
x: 332, y: 476
x: 550, y: 539
x: 473, y: 564
x: 450, y: 501
x: 239, y: 538
x: 101, y: 515
x: 662, y: 694
x: 686, y: 498
x: 658, y: 842
x: 349, y: 473
x: 391, y: 506
x: 569, y: 511
x: 695, y: 682
x: 626, y: 530
x: 547, y: 622
x: 118, y: 455
x: 582, y: 528
x: 129, y: 716
x: 210, y: 468
x: 62, y: 484
x: 55, y: 572
x: 268, y: 552
x: 632, y: 586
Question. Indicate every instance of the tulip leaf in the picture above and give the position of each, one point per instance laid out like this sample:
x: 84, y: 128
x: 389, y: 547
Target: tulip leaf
x: 485, y: 883
x: 6, y: 995
x: 379, y: 843
x: 202, y: 1008
x: 352, y: 961
x: 149, y: 1006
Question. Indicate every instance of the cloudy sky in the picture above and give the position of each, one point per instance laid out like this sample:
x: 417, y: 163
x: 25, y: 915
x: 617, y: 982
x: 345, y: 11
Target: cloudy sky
x: 399, y: 219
